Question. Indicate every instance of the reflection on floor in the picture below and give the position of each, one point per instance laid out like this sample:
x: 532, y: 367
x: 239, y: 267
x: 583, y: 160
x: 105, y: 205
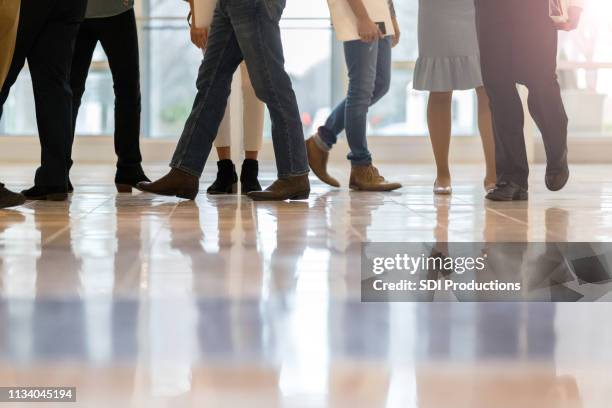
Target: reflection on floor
x: 147, y: 301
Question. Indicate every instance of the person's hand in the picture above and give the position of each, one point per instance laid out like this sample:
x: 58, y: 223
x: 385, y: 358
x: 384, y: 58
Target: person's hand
x: 199, y: 37
x: 398, y: 32
x: 368, y: 30
x: 574, y: 14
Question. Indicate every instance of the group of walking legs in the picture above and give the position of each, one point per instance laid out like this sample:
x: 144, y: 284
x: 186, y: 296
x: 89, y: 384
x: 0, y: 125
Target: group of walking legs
x: 474, y: 44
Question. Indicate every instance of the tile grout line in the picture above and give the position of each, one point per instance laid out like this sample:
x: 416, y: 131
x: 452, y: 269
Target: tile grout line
x: 500, y: 213
x: 68, y: 226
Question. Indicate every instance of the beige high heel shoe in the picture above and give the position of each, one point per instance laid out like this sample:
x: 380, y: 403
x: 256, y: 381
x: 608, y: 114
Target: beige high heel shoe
x: 440, y: 190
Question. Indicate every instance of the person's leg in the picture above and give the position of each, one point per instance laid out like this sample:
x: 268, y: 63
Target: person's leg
x: 258, y: 32
x: 361, y: 61
x: 335, y: 123
x: 537, y: 41
x: 84, y: 48
x: 223, y: 55
x: 222, y: 58
x: 496, y: 31
x: 227, y: 179
x: 119, y: 38
x: 366, y: 87
x: 319, y: 145
x: 224, y: 153
x: 382, y: 83
x: 485, y: 126
x: 50, y: 60
x: 223, y: 141
x: 253, y: 117
x: 253, y: 128
x: 439, y: 123
x: 32, y: 18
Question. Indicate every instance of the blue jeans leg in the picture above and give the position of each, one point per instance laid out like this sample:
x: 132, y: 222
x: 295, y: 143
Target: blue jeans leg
x: 369, y: 69
x: 256, y: 23
x: 222, y: 58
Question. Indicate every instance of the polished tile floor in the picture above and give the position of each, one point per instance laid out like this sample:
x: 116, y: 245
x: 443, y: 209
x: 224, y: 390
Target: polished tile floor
x: 155, y: 302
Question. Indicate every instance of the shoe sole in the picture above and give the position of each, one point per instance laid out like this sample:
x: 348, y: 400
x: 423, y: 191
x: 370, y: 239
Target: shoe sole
x: 522, y: 196
x: 246, y: 192
x: 124, y: 188
x: 374, y: 190
x: 13, y: 203
x: 233, y: 189
x: 185, y: 196
x: 50, y: 197
x: 296, y: 197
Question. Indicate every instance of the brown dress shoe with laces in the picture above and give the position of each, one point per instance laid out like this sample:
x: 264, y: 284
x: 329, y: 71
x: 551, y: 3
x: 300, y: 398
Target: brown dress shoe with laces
x: 317, y: 159
x: 290, y: 188
x: 176, y: 183
x: 367, y: 178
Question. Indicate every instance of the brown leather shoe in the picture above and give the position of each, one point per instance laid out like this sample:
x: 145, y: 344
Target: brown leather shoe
x: 176, y: 183
x: 317, y: 159
x: 367, y: 178
x: 290, y: 188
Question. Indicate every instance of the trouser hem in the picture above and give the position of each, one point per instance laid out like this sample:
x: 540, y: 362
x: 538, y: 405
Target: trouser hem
x: 187, y: 170
x: 365, y: 162
x: 295, y: 174
x: 321, y: 143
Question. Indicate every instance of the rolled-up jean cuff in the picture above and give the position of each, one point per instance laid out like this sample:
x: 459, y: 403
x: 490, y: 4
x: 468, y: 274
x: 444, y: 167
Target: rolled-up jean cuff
x: 283, y: 176
x: 186, y: 170
x: 361, y: 162
x: 321, y: 143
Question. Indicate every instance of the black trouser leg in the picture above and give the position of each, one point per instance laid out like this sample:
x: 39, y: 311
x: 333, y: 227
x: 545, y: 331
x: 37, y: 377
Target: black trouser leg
x: 536, y: 52
x: 546, y: 108
x: 32, y: 18
x: 49, y: 61
x: 83, y: 53
x: 496, y: 35
x: 119, y: 38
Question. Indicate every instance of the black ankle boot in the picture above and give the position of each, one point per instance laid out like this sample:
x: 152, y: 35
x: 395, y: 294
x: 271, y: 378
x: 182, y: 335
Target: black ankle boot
x: 227, y: 179
x: 127, y: 178
x: 248, y: 176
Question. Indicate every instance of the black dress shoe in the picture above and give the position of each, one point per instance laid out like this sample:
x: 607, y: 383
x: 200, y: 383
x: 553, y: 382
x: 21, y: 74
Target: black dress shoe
x: 46, y: 193
x: 555, y: 181
x: 10, y: 199
x: 248, y: 176
x: 227, y: 179
x: 70, y: 186
x: 127, y: 179
x: 507, y: 191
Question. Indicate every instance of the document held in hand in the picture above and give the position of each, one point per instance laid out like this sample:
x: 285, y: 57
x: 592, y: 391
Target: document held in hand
x: 345, y: 22
x: 558, y: 10
x: 203, y: 12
